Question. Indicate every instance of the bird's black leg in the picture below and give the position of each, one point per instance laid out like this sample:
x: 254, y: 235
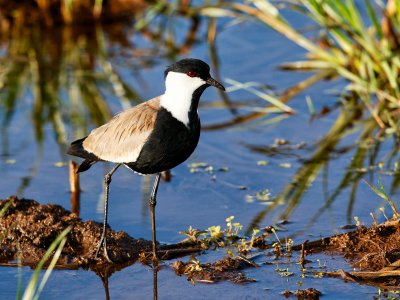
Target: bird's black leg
x: 152, y: 204
x: 103, y: 239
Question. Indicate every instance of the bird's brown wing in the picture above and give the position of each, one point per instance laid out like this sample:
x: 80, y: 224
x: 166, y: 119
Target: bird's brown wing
x: 121, y: 139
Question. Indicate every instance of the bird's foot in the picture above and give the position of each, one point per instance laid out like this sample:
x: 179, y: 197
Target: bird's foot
x: 103, y: 242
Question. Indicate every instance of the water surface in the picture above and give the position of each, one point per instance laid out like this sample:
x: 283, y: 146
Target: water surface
x: 40, y: 123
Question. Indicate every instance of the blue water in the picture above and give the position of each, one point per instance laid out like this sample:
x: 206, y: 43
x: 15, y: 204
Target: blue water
x: 247, y: 52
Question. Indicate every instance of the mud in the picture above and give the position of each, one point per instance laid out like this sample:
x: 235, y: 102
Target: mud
x: 28, y: 228
x: 374, y: 252
x: 225, y: 269
x: 307, y: 294
x: 368, y: 248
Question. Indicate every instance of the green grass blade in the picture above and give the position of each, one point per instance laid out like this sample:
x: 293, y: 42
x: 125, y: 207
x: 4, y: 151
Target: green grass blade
x: 31, y: 291
x: 19, y: 283
x: 49, y: 270
x: 374, y: 19
x: 377, y: 191
x: 5, y: 207
x: 271, y: 99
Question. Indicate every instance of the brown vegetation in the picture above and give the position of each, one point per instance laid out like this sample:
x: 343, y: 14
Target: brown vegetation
x: 50, y: 13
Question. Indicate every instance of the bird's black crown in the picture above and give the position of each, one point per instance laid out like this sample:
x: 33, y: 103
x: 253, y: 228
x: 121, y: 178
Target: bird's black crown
x: 190, y: 65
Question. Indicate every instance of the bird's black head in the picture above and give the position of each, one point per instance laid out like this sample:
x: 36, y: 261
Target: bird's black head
x: 194, y: 68
x: 185, y: 81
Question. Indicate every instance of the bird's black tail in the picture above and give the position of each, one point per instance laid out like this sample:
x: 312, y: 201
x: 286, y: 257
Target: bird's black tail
x: 76, y: 149
x: 85, y: 165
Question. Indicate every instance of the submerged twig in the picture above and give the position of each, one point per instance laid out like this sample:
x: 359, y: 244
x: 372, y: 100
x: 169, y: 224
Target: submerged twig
x: 75, y: 187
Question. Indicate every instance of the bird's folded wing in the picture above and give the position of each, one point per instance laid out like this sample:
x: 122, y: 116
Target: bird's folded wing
x: 121, y: 139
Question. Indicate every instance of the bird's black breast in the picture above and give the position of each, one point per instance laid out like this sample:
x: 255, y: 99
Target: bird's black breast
x: 170, y: 143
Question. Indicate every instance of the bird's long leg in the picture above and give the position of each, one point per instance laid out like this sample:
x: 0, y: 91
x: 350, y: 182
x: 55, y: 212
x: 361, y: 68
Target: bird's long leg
x: 103, y: 239
x: 152, y: 203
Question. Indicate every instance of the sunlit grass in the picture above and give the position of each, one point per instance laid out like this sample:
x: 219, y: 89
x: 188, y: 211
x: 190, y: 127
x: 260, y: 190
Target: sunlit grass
x: 251, y: 88
x: 36, y: 286
x: 359, y: 45
x: 380, y: 191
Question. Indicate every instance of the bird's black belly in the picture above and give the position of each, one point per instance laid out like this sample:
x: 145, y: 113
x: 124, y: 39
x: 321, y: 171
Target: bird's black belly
x: 170, y: 144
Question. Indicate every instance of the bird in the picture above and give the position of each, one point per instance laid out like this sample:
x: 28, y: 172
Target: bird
x: 151, y: 137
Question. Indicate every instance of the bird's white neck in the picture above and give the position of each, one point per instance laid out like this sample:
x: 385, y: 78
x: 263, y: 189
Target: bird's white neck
x: 177, y: 99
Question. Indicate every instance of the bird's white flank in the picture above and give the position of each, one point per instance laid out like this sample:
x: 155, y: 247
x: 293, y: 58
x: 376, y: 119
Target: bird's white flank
x: 177, y: 98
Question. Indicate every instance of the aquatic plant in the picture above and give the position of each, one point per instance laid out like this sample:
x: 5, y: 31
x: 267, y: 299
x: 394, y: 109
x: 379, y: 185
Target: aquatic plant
x: 380, y: 191
x: 233, y: 239
x: 361, y: 49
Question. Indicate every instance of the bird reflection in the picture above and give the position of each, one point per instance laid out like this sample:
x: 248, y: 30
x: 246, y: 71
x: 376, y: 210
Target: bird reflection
x: 155, y: 273
x: 105, y: 271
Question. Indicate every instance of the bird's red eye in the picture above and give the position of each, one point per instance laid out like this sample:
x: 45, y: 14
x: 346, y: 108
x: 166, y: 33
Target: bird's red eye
x: 192, y: 74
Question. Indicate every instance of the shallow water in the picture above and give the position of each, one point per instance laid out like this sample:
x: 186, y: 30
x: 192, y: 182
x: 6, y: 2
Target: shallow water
x: 247, y: 52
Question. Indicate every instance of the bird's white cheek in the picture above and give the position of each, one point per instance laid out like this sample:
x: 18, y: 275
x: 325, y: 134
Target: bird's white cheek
x: 182, y: 84
x: 178, y: 94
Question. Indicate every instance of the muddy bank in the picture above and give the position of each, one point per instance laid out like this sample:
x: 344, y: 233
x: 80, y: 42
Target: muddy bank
x: 367, y: 248
x: 373, y: 251
x: 31, y: 228
x: 370, y: 248
x: 225, y: 269
x: 28, y: 228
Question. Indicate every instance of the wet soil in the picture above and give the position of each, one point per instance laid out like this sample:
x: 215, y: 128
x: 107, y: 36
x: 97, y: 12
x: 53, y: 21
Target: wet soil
x: 370, y: 248
x: 28, y: 228
x: 373, y: 251
x: 225, y: 269
x: 307, y: 294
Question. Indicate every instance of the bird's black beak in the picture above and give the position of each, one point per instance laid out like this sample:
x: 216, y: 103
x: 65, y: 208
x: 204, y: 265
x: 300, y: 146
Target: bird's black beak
x: 213, y: 82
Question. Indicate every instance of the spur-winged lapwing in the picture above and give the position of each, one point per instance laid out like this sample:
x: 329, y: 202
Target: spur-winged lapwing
x: 151, y: 137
